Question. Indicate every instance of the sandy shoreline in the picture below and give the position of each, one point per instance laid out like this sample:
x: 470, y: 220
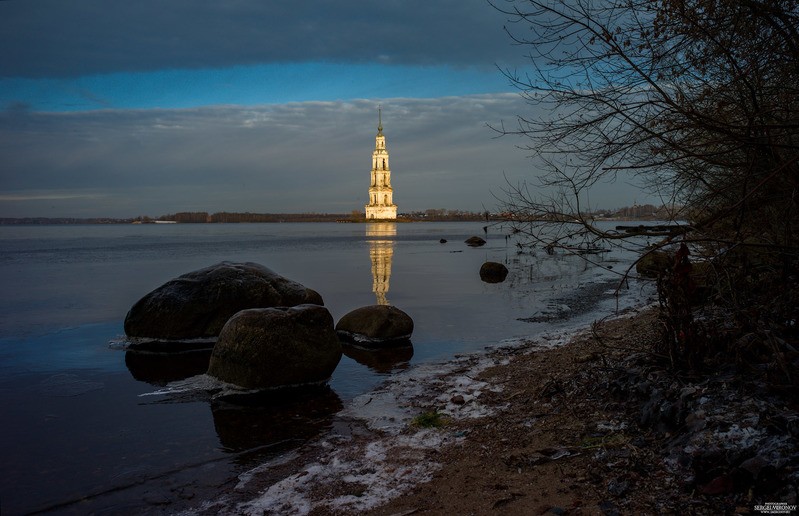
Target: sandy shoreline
x: 376, y: 453
x: 527, y: 429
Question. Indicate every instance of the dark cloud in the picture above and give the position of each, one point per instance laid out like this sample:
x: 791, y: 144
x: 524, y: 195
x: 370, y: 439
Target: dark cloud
x: 300, y: 157
x: 54, y: 38
x: 312, y: 156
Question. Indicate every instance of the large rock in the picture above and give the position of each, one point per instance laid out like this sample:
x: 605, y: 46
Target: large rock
x: 376, y: 325
x: 199, y: 303
x: 493, y: 272
x: 266, y: 348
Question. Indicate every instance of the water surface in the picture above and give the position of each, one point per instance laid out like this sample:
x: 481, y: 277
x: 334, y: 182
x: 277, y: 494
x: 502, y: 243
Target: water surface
x: 83, y: 432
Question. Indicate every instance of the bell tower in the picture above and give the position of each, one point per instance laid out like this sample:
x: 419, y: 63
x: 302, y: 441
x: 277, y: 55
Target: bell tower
x: 381, y: 196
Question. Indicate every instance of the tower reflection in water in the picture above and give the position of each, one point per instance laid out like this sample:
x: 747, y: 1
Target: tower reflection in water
x: 381, y: 251
x: 383, y: 360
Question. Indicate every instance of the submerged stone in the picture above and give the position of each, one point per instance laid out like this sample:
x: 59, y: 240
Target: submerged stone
x: 199, y: 303
x: 267, y: 348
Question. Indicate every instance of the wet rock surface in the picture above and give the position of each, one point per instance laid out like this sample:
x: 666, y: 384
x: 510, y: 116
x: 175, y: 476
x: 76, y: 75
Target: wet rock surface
x: 199, y: 303
x: 493, y: 272
x: 376, y: 326
x: 267, y: 348
x: 475, y: 241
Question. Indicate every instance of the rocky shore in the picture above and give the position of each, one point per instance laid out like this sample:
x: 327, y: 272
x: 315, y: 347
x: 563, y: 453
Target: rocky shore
x: 587, y: 423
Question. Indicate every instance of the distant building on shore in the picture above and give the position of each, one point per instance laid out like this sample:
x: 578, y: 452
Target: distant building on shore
x: 381, y: 196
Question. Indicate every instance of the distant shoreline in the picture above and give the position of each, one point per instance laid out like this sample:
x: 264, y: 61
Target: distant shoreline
x: 635, y: 213
x: 39, y: 221
x: 266, y: 219
x: 236, y: 218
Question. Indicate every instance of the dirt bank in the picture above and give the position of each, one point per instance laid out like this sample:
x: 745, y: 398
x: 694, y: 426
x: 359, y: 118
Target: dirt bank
x: 587, y: 423
x: 594, y: 427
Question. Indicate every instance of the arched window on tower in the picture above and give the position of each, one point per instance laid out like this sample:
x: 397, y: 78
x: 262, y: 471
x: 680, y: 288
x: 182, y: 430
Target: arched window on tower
x: 385, y: 199
x: 384, y: 163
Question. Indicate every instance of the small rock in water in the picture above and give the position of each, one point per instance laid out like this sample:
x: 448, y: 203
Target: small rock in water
x: 458, y: 399
x: 493, y: 272
x: 475, y: 241
x: 443, y: 241
x: 376, y: 326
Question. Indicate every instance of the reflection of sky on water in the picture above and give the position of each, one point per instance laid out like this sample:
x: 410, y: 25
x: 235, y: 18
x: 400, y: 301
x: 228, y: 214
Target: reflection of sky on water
x: 73, y: 285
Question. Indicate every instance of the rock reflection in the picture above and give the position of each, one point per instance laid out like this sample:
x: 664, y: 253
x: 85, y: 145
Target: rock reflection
x: 250, y: 422
x: 381, y: 252
x: 383, y: 360
x: 269, y: 422
x: 161, y: 368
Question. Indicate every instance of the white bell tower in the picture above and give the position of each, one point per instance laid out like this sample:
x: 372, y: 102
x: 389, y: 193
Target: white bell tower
x: 381, y: 196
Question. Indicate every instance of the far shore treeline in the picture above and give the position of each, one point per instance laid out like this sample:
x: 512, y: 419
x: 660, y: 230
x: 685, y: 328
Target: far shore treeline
x: 636, y: 212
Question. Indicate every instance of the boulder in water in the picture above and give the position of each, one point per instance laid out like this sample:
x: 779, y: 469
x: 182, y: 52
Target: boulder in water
x: 198, y: 304
x: 475, y: 241
x: 268, y: 348
x: 375, y: 326
x: 493, y: 272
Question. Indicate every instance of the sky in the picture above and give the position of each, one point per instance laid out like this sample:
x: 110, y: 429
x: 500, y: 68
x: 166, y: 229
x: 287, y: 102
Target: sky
x: 114, y: 108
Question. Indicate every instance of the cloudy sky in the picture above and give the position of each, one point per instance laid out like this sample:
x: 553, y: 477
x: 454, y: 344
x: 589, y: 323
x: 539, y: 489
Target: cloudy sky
x: 119, y: 108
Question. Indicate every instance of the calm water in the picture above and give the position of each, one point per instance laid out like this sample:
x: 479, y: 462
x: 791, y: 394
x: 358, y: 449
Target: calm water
x: 80, y: 436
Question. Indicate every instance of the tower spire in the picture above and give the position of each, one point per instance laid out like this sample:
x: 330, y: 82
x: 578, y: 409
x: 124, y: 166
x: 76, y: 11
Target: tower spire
x: 379, y: 119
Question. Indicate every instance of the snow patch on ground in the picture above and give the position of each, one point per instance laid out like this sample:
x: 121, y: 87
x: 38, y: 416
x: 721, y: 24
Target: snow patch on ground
x: 354, y: 478
x: 358, y: 472
x: 433, y: 386
x: 390, y: 454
